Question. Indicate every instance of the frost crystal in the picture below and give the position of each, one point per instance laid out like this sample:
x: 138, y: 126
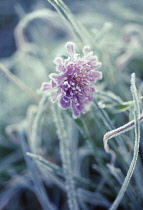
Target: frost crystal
x: 74, y: 84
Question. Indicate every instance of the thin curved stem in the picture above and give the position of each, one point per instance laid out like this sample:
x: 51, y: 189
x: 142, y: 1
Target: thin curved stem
x: 136, y: 146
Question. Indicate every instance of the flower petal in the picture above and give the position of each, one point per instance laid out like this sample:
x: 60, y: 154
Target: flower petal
x: 76, y: 111
x: 54, y: 84
x: 80, y: 107
x: 64, y: 102
x: 56, y: 96
x: 59, y: 63
x: 70, y: 47
x: 57, y: 78
x: 46, y: 87
x: 94, y: 76
x: 86, y: 50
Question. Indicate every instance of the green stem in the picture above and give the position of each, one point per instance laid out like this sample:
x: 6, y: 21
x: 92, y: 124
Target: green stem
x: 66, y: 159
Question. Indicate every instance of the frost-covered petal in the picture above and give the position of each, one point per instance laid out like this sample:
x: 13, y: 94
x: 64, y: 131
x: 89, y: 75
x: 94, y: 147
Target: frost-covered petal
x: 64, y: 102
x: 54, y: 84
x: 90, y: 98
x: 98, y: 74
x: 56, y: 96
x: 69, y: 70
x: 58, y: 79
x: 80, y: 107
x: 86, y: 50
x: 95, y: 75
x: 46, y: 87
x: 70, y: 47
x: 89, y: 55
x: 97, y: 64
x: 76, y: 111
x: 67, y: 62
x: 59, y: 63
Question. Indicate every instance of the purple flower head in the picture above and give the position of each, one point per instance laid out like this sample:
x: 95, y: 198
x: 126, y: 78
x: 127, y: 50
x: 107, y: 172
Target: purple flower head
x: 74, y: 83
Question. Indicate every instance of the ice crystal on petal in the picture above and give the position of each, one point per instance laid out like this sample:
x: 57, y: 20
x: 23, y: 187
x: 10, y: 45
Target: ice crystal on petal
x: 74, y: 83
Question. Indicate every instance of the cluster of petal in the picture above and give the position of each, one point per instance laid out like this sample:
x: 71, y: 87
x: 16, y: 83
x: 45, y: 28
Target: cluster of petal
x: 74, y: 83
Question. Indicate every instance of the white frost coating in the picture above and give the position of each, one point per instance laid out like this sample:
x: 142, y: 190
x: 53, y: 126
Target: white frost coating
x: 120, y: 130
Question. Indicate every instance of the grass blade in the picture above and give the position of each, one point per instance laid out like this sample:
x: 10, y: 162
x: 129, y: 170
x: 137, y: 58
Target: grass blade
x: 136, y: 146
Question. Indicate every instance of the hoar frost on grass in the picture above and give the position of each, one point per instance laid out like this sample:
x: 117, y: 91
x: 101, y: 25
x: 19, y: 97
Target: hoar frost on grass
x: 73, y: 87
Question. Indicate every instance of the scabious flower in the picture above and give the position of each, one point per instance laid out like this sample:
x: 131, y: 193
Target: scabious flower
x: 74, y: 83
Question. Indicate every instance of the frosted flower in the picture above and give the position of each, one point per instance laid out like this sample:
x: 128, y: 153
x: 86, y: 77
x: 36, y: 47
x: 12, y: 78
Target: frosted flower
x: 74, y: 83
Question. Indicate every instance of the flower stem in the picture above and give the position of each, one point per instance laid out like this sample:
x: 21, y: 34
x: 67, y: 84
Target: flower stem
x: 66, y: 159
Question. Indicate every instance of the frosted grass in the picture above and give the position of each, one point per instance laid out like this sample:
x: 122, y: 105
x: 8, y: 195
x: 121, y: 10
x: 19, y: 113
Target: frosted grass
x: 39, y: 186
x: 81, y: 34
x: 66, y: 158
x: 21, y: 40
x: 35, y: 138
x: 89, y: 180
x: 135, y: 123
x: 59, y: 171
x: 20, y: 84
